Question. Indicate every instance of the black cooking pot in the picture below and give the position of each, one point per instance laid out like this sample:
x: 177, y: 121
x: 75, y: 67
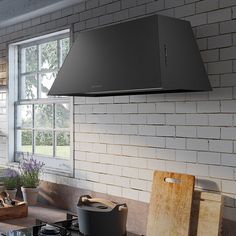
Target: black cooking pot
x: 100, y: 217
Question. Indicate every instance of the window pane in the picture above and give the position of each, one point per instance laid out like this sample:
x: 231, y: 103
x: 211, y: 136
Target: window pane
x: 48, y: 58
x: 24, y: 141
x: 64, y: 47
x: 62, y: 114
x: 24, y: 116
x: 42, y: 128
x: 44, y: 143
x: 63, y: 145
x: 28, y: 87
x: 47, y: 80
x: 43, y: 116
x: 29, y: 59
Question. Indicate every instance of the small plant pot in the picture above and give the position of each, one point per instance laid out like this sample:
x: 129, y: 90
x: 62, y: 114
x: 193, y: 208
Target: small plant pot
x: 30, y: 195
x: 2, y: 188
x: 12, y: 193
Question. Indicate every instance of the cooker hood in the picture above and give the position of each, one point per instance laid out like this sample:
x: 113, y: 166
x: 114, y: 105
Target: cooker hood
x: 154, y: 54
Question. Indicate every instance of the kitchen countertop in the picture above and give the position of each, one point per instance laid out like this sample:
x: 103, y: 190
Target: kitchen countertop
x: 45, y: 213
x: 41, y: 212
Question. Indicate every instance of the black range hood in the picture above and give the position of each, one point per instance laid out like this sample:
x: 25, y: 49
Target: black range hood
x: 155, y: 54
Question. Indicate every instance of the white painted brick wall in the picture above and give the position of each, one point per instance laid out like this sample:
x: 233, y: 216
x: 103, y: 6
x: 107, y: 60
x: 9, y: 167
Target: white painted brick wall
x: 175, y: 143
x: 186, y: 107
x: 174, y: 166
x: 155, y: 141
x: 221, y: 146
x: 197, y: 144
x: 221, y: 172
x: 165, y: 107
x: 228, y: 133
x: 186, y: 156
x: 207, y: 183
x: 229, y: 186
x: 220, y: 119
x: 228, y: 159
x: 197, y: 169
x: 157, y: 119
x: 157, y: 165
x: 209, y: 158
x: 165, y: 131
x: 175, y: 119
x: 196, y: 119
x: 121, y: 140
x: 208, y: 132
x: 186, y: 131
x: 208, y: 107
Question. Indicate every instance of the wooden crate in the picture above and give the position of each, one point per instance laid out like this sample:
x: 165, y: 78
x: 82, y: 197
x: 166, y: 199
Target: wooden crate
x: 20, y: 210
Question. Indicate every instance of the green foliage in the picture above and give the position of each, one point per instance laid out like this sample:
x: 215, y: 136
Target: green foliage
x: 44, y: 138
x: 63, y: 139
x: 43, y: 115
x: 26, y: 138
x: 30, y: 169
x: 10, y: 182
x: 62, y: 116
x: 30, y: 59
x: 46, y: 59
x: 29, y: 180
x: 11, y: 178
x: 49, y: 58
x: 65, y: 46
x: 30, y: 85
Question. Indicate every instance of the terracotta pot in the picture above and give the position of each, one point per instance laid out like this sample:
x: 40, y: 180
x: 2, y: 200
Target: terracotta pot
x: 12, y: 193
x: 2, y: 188
x: 30, y: 195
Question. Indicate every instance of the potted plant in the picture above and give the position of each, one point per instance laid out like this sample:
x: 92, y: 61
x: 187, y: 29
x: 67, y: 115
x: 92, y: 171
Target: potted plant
x: 11, y: 178
x: 2, y: 187
x: 30, y: 170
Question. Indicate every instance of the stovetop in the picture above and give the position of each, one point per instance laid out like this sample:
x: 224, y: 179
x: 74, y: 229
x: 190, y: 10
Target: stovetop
x: 68, y: 227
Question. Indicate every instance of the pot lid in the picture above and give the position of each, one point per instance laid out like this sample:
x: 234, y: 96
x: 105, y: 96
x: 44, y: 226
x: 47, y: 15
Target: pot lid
x: 95, y: 207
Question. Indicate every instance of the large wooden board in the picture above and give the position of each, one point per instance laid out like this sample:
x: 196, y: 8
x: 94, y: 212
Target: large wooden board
x: 206, y: 214
x: 12, y: 212
x: 170, y: 204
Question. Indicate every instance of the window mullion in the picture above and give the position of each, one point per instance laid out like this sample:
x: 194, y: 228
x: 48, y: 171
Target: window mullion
x: 19, y: 78
x: 54, y: 132
x: 38, y: 77
x: 15, y: 131
x: 42, y: 101
x: 59, y: 57
x: 33, y: 130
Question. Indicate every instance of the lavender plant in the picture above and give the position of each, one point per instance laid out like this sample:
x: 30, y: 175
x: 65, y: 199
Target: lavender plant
x: 11, y: 178
x: 30, y: 170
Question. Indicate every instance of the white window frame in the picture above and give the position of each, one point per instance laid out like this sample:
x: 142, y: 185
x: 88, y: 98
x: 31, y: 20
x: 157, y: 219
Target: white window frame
x: 55, y: 165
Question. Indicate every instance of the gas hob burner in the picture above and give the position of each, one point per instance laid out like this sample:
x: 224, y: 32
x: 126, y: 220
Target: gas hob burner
x: 74, y: 226
x: 49, y: 230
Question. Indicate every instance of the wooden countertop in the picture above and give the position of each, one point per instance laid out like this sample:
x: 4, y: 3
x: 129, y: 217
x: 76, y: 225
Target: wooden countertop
x: 45, y: 213
x: 41, y: 212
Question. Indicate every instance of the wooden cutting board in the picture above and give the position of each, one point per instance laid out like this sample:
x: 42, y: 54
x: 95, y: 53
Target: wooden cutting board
x: 170, y: 204
x: 206, y: 214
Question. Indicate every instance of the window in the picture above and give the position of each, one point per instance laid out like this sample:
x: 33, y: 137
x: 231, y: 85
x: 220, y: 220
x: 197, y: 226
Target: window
x: 42, y: 125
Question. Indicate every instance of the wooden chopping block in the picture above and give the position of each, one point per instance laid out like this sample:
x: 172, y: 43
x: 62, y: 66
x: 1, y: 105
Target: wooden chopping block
x: 206, y: 214
x: 170, y: 204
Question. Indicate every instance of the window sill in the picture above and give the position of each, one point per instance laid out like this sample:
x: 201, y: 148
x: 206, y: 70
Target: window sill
x: 45, y: 170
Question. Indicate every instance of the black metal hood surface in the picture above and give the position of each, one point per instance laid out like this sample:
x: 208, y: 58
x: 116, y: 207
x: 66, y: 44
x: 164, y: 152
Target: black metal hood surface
x: 155, y: 54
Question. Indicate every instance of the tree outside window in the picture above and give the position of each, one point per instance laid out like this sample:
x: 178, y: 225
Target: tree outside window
x: 43, y: 123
